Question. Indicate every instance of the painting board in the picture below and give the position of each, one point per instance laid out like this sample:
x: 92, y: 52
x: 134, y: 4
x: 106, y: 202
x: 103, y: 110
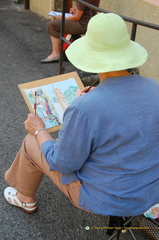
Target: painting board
x: 53, y: 96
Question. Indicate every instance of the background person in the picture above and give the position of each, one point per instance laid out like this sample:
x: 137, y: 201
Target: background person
x: 106, y: 159
x: 74, y: 25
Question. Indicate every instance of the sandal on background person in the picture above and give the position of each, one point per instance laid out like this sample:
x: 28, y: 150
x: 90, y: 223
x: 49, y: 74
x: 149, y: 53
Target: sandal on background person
x: 10, y: 195
x: 47, y: 60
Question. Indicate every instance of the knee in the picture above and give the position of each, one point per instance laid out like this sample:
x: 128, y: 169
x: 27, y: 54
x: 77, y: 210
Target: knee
x: 50, y: 24
x: 53, y: 28
x: 30, y: 142
x: 29, y: 137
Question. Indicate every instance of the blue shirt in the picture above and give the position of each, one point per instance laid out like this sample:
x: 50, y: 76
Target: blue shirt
x: 110, y: 142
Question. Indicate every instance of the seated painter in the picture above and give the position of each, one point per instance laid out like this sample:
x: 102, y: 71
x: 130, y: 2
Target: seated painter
x: 74, y: 25
x: 106, y: 158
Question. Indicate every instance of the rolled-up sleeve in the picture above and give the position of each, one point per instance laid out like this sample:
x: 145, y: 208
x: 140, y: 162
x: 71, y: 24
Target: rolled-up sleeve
x: 81, y: 7
x: 75, y: 142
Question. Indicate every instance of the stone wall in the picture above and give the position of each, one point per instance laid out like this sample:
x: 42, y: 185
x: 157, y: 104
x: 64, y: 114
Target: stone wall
x: 42, y: 7
x: 148, y: 11
x: 58, y: 5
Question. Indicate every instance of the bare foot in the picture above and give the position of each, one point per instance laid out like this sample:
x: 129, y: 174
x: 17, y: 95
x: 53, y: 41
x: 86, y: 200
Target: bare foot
x: 25, y: 199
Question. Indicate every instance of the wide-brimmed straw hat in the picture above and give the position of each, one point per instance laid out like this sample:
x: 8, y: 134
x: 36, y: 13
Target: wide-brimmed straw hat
x: 106, y: 46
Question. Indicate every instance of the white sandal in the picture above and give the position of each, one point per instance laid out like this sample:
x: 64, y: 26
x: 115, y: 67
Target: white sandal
x: 10, y: 196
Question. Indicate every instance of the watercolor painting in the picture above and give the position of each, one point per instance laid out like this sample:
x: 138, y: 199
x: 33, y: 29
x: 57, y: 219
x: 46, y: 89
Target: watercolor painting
x: 52, y: 99
x: 153, y: 212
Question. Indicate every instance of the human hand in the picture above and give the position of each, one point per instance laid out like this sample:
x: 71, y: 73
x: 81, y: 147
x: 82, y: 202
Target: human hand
x: 58, y: 17
x: 85, y: 90
x: 33, y: 123
x: 72, y: 11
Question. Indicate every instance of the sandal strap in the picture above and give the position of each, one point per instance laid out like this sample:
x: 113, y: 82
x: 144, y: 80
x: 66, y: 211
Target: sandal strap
x: 28, y: 204
x: 23, y: 204
x: 15, y: 201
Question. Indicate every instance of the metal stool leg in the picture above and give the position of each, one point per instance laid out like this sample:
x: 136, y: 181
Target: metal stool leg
x: 120, y: 222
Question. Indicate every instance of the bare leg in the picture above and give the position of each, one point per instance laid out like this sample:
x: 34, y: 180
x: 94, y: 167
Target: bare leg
x: 54, y: 28
x: 23, y: 198
x: 55, y: 48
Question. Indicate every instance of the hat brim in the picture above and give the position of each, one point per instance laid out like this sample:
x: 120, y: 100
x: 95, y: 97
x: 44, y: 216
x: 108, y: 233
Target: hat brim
x: 89, y: 60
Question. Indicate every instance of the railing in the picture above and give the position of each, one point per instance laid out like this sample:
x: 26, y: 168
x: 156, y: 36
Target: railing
x: 134, y: 22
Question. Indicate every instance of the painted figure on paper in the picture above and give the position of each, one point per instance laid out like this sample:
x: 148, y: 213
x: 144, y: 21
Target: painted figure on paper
x: 52, y: 100
x: 46, y: 107
x: 60, y: 98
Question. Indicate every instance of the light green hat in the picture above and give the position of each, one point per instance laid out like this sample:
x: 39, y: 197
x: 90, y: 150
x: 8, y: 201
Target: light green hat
x: 106, y: 46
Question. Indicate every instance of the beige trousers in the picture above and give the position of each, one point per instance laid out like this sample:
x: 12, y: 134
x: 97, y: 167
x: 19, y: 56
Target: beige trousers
x: 28, y: 167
